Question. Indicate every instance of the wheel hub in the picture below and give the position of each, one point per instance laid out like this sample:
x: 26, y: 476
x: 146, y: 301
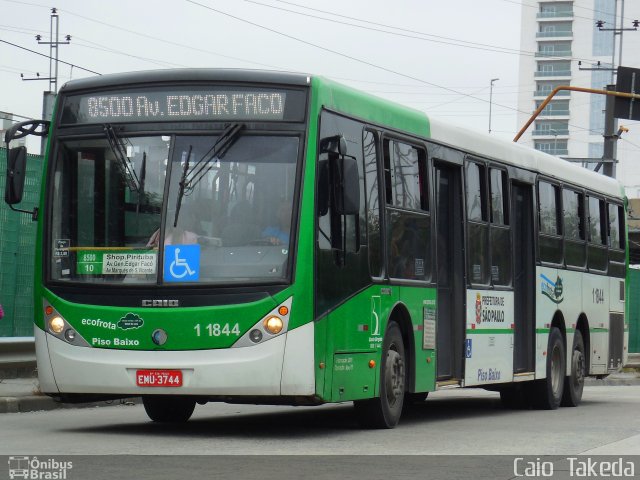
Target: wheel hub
x: 394, y: 377
x: 578, y: 368
x: 556, y: 374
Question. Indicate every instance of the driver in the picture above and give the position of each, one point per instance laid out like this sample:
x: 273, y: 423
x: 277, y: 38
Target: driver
x: 278, y: 234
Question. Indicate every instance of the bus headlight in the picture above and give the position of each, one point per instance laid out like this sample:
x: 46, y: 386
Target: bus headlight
x: 56, y: 324
x: 273, y: 324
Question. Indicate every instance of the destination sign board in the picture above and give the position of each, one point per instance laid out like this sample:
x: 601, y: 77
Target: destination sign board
x: 180, y: 104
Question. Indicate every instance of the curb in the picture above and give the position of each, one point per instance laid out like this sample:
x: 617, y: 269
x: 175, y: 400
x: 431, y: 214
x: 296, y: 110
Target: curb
x: 43, y: 403
x: 611, y: 382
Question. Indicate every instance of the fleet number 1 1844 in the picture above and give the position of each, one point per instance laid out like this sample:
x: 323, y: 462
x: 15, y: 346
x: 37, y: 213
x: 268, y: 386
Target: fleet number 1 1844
x: 217, y: 329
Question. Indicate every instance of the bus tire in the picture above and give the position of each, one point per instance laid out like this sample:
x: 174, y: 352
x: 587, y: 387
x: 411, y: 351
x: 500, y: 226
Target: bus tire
x: 169, y: 409
x: 384, y: 411
x: 574, y: 383
x: 547, y: 392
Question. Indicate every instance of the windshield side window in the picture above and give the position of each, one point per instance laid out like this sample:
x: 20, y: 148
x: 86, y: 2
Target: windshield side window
x: 101, y: 221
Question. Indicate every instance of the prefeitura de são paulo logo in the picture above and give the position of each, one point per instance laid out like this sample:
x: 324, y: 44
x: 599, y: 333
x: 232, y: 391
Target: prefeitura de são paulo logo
x: 38, y: 469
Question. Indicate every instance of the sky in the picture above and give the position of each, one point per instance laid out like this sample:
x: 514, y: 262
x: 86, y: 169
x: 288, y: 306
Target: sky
x: 433, y: 55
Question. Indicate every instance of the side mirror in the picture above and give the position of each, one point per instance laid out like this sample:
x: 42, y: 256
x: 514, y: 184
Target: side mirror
x: 336, y: 145
x: 348, y: 191
x: 16, y: 169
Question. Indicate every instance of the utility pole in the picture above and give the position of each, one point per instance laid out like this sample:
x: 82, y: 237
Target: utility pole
x: 491, y: 99
x: 49, y: 96
x: 610, y: 137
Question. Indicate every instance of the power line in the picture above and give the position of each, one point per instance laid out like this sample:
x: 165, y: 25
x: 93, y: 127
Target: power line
x: 441, y: 39
x: 470, y: 44
x: 164, y: 40
x: 359, y: 60
x: 150, y: 37
x: 350, y: 57
x: 103, y: 48
x: 515, y: 2
x: 47, y: 56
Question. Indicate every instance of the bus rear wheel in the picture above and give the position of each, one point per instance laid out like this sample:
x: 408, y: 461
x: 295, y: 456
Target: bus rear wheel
x: 169, y: 409
x: 574, y: 383
x: 384, y: 411
x: 547, y: 393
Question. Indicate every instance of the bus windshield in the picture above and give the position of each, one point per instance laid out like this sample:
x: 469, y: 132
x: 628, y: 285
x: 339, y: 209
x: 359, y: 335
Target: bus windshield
x: 118, y: 215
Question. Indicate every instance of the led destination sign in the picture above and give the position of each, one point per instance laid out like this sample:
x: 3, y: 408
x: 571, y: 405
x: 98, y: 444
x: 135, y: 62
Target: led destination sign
x: 169, y: 105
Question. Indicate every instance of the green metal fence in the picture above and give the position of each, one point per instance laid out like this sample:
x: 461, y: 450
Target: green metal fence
x: 633, y: 309
x: 17, y: 248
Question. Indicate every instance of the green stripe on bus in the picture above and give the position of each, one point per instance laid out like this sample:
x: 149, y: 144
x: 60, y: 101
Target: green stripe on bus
x: 572, y: 330
x: 490, y: 331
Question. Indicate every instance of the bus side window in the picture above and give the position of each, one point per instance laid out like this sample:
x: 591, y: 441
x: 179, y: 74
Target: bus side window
x: 616, y: 240
x: 575, y: 251
x: 597, y: 254
x: 550, y: 239
x: 409, y: 223
x: 372, y: 198
x: 613, y: 232
x: 500, y: 230
x: 477, y: 223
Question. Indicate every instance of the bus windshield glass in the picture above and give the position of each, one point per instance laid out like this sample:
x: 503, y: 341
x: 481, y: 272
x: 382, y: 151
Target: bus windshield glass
x: 225, y: 219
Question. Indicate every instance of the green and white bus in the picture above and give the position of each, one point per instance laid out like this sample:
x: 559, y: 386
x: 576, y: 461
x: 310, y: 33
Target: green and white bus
x: 266, y: 237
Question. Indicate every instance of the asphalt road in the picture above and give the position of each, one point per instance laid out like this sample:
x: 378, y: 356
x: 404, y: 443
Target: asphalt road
x: 453, y: 422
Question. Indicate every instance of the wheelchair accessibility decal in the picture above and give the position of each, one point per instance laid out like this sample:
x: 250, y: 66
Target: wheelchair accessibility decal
x: 181, y: 263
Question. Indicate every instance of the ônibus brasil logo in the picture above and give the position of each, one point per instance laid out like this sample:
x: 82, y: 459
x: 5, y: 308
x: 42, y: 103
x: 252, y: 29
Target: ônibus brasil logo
x: 33, y: 468
x: 552, y: 290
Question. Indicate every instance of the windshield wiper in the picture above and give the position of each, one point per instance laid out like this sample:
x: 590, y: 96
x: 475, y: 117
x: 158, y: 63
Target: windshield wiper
x: 188, y: 181
x: 124, y: 164
x: 219, y: 149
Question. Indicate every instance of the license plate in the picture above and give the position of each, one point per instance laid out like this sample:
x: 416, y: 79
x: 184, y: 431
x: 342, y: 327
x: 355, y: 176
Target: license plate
x: 159, y: 378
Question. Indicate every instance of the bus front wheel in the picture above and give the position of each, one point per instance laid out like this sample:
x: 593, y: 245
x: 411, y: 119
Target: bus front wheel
x: 574, y: 383
x: 384, y: 411
x: 169, y: 409
x: 547, y: 393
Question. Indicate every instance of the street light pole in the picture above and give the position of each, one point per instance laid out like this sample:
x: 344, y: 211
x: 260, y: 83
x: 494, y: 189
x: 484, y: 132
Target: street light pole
x: 491, y: 99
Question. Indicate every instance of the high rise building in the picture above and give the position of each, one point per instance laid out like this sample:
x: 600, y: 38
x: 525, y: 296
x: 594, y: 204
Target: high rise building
x: 565, y: 47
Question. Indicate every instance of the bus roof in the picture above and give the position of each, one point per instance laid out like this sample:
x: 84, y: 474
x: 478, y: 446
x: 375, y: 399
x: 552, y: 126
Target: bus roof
x: 526, y: 157
x: 384, y: 112
x: 194, y: 75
